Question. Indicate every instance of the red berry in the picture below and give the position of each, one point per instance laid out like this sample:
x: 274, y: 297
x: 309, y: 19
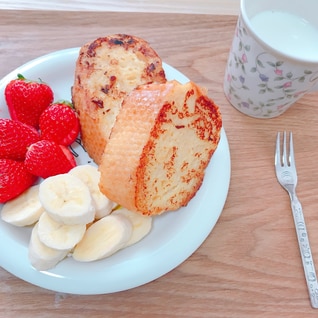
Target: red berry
x: 27, y: 100
x: 46, y: 158
x: 14, y: 179
x: 59, y: 123
x: 15, y: 138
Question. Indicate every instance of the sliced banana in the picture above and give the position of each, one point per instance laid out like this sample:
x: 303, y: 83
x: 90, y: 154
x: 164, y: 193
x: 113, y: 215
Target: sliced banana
x: 23, y: 210
x: 67, y: 199
x: 90, y: 176
x: 41, y: 256
x: 103, y: 238
x: 57, y: 235
x: 141, y: 224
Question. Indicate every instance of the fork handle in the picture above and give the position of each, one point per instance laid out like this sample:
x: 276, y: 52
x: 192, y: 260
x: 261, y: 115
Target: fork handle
x: 305, y: 251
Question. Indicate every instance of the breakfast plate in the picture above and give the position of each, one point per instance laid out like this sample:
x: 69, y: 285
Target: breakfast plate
x: 173, y: 237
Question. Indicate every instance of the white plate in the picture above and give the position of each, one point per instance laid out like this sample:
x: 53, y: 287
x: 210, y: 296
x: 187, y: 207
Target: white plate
x: 173, y: 238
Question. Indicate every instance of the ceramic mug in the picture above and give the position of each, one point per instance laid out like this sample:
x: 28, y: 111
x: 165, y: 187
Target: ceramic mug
x: 273, y: 60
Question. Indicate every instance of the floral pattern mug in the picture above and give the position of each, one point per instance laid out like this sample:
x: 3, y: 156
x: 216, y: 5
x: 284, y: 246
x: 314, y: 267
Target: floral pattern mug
x: 261, y: 82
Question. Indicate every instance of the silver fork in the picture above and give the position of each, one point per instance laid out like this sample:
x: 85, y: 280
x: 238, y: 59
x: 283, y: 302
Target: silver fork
x: 287, y: 176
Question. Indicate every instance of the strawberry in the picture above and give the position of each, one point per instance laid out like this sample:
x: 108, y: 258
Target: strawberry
x: 14, y: 179
x: 59, y: 123
x: 46, y: 158
x: 15, y: 138
x: 27, y: 100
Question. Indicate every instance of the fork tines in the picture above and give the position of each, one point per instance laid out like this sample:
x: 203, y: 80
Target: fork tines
x: 284, y: 159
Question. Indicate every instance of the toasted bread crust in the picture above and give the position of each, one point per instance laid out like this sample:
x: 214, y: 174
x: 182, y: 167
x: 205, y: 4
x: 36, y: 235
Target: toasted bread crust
x: 108, y: 69
x: 160, y: 145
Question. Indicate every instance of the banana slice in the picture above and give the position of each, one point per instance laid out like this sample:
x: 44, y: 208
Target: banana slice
x: 103, y: 238
x: 90, y: 176
x: 141, y: 224
x: 23, y: 210
x: 67, y: 199
x: 41, y: 256
x: 57, y: 235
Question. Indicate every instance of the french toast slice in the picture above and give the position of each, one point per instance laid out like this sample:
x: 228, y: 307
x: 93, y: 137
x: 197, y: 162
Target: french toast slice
x: 162, y: 141
x: 107, y: 69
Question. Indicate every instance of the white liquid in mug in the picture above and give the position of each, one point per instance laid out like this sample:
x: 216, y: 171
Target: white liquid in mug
x: 288, y: 33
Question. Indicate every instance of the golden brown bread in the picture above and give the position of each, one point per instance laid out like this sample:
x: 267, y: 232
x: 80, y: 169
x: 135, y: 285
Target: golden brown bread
x: 107, y: 69
x: 161, y: 142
